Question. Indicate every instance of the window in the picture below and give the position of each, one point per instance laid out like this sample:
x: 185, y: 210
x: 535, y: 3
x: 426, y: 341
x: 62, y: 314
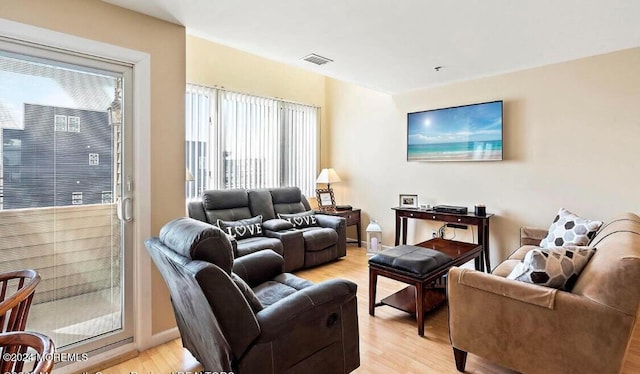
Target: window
x: 60, y: 123
x: 94, y: 159
x: 73, y: 124
x: 106, y: 197
x: 76, y: 198
x: 234, y: 140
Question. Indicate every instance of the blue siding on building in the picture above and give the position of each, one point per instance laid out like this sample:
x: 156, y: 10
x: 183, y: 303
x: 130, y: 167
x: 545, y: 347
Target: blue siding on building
x: 43, y: 167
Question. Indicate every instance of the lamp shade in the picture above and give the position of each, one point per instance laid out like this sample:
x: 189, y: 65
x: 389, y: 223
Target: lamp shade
x: 328, y: 176
x: 189, y: 177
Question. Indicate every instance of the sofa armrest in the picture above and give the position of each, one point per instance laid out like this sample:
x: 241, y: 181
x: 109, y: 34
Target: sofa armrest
x: 532, y: 235
x: 292, y: 247
x: 332, y: 222
x: 340, y: 225
x: 505, y: 320
x: 258, y: 267
x: 309, y: 304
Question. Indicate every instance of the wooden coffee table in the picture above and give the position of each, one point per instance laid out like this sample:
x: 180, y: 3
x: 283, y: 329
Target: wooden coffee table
x: 421, y: 273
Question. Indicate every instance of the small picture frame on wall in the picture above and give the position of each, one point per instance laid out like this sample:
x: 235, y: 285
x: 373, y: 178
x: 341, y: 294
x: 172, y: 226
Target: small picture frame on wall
x: 326, y: 200
x: 408, y: 201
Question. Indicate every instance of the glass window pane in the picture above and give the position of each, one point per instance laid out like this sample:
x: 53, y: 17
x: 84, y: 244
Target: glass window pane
x: 57, y: 177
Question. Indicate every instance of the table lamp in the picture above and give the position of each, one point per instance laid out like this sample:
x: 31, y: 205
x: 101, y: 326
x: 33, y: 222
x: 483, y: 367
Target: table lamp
x: 328, y: 176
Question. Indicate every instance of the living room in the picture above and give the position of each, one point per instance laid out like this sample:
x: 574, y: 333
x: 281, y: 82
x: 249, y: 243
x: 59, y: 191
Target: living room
x: 570, y: 130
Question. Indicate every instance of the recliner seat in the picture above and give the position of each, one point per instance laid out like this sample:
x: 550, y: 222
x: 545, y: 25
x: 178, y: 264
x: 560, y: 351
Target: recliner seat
x: 245, y: 315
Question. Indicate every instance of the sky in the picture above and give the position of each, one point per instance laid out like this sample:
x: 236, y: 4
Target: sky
x: 477, y: 122
x: 38, y: 83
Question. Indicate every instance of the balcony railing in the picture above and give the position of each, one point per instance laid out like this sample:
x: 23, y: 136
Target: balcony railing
x: 74, y: 248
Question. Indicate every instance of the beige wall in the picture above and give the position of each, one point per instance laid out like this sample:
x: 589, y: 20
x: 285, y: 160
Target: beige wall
x: 212, y: 64
x: 165, y: 42
x: 570, y: 136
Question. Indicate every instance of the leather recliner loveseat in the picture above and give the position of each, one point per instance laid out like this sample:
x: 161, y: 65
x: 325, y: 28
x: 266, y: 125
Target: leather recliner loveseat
x: 322, y: 241
x: 245, y: 315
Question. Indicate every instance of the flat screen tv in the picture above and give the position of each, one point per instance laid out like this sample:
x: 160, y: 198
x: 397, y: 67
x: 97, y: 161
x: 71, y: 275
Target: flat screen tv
x: 462, y: 133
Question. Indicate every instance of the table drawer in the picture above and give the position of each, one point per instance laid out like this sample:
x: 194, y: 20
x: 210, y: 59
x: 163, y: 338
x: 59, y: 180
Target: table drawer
x: 351, y: 217
x: 435, y: 216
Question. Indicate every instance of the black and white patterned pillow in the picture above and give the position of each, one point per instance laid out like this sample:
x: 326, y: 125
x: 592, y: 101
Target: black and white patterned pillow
x: 242, y: 228
x: 557, y: 267
x: 568, y: 229
x: 300, y: 220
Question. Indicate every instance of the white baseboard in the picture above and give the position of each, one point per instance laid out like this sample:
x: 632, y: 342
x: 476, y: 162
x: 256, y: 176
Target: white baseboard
x: 164, y: 336
x: 93, y: 361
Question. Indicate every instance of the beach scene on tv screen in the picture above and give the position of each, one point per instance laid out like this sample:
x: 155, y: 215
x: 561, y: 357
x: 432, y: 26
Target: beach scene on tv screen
x: 471, y: 132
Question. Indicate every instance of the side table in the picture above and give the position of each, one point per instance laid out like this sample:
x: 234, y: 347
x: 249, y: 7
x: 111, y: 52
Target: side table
x: 352, y: 216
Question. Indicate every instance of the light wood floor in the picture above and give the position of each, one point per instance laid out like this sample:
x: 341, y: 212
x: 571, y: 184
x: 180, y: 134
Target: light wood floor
x: 389, y: 342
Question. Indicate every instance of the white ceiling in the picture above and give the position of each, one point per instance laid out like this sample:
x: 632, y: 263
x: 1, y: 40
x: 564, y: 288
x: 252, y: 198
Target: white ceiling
x: 394, y: 45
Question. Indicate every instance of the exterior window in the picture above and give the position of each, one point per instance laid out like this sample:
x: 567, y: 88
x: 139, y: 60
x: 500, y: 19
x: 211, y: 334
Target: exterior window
x: 107, y: 197
x: 235, y: 140
x: 60, y: 123
x: 94, y: 159
x: 76, y: 198
x: 73, y: 124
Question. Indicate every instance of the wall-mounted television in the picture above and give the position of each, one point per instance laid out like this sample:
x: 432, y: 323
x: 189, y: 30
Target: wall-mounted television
x: 462, y: 133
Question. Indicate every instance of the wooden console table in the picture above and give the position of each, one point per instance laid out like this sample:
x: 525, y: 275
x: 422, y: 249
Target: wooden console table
x: 481, y: 222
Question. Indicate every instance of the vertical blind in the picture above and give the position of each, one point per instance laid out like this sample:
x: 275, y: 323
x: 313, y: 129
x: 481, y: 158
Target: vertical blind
x: 200, y: 104
x: 235, y: 140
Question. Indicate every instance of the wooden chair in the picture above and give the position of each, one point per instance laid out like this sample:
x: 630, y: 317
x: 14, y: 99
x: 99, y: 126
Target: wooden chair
x: 16, y: 293
x: 14, y: 345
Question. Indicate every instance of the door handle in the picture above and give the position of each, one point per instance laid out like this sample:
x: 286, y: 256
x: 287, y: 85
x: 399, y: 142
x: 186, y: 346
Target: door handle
x: 125, y: 210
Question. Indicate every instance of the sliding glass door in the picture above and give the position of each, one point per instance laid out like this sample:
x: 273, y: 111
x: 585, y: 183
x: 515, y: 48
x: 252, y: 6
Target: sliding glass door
x: 66, y: 191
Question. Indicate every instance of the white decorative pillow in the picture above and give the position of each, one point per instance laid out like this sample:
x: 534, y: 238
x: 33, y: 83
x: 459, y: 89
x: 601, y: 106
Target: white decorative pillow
x: 557, y: 267
x: 568, y: 229
x: 242, y: 228
x: 300, y: 220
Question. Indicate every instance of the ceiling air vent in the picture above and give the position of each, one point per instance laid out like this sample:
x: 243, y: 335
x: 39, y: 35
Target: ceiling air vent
x: 315, y: 59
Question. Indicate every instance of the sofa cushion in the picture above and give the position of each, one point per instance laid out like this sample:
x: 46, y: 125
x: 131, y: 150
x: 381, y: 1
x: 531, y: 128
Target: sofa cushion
x: 243, y: 228
x: 505, y: 267
x: 519, y: 253
x: 278, y: 288
x: 568, y: 229
x: 248, y: 293
x: 198, y: 241
x: 318, y: 238
x: 260, y: 204
x: 225, y: 199
x: 300, y: 220
x: 557, y: 267
x: 227, y: 205
x: 287, y: 200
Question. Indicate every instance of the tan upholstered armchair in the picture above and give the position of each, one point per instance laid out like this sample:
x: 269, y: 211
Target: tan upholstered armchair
x: 535, y: 329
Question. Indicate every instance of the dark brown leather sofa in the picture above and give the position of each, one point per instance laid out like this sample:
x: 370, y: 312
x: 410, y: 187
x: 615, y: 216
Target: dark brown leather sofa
x: 245, y: 315
x: 300, y: 248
